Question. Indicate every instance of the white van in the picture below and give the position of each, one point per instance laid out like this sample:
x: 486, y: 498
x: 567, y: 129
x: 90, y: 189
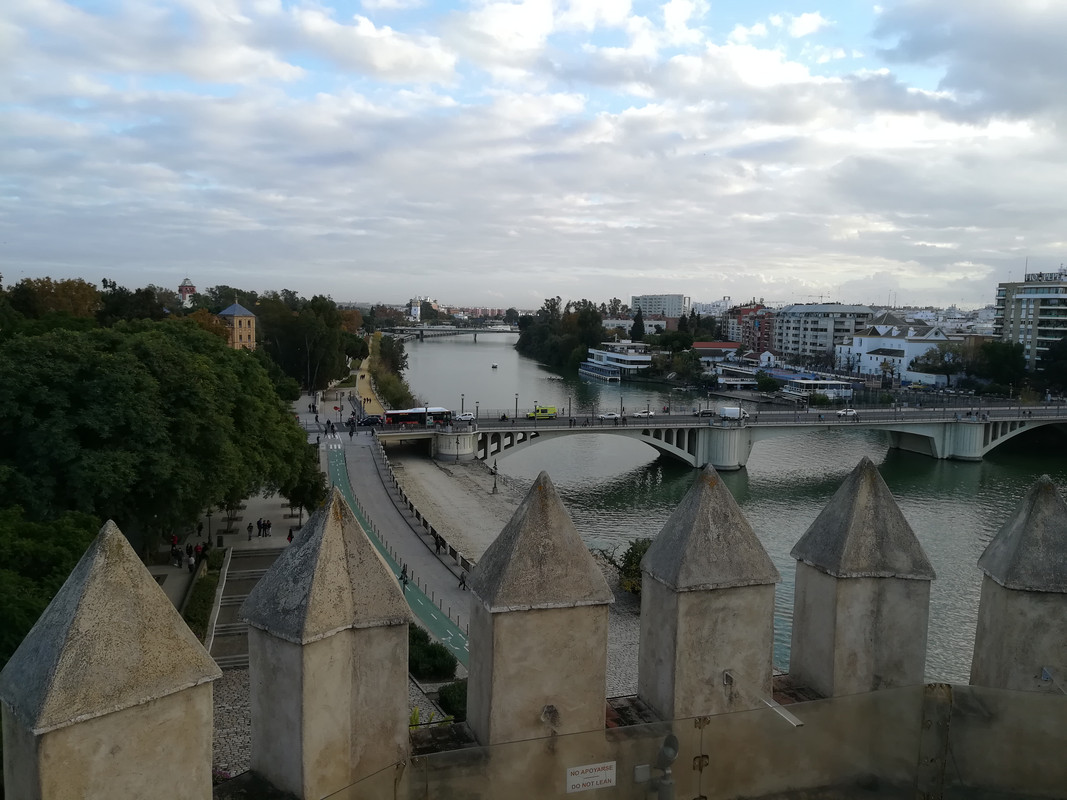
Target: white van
x: 732, y: 412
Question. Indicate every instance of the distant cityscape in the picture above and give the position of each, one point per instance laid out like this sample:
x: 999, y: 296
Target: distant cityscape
x: 857, y: 339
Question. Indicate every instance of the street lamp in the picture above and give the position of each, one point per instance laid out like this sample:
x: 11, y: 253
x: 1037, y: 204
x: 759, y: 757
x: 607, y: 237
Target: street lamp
x: 476, y: 402
x: 516, y: 406
x: 461, y: 404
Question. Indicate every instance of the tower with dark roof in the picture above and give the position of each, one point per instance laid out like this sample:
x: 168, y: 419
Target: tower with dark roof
x: 241, y: 326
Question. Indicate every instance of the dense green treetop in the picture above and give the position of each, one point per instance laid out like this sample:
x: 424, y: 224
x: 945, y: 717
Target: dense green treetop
x: 146, y: 423
x: 560, y: 334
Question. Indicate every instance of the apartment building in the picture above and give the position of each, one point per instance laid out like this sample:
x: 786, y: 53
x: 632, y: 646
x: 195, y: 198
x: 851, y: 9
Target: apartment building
x: 667, y: 305
x: 1032, y: 312
x: 811, y: 331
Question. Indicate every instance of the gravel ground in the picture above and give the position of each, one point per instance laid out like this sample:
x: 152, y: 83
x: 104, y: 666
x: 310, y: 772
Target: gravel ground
x: 233, y: 720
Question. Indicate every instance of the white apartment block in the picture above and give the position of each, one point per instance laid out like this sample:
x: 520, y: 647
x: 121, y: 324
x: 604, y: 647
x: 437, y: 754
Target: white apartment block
x: 814, y: 329
x: 668, y: 305
x: 1032, y: 313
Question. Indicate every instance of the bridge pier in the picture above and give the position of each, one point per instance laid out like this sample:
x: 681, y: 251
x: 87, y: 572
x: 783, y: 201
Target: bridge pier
x: 726, y: 448
x: 455, y: 446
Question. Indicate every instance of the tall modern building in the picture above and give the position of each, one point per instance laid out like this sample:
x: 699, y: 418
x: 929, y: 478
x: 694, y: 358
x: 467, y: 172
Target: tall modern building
x: 669, y: 305
x: 1032, y: 313
x: 812, y: 330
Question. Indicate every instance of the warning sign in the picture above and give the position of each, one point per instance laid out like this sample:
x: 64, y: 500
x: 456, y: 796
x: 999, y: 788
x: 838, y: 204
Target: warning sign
x: 590, y: 776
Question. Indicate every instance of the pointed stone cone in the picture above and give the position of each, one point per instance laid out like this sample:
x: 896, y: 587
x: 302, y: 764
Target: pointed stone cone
x: 1021, y: 639
x: 538, y: 594
x: 862, y: 600
x: 110, y: 667
x: 327, y: 647
x: 707, y: 606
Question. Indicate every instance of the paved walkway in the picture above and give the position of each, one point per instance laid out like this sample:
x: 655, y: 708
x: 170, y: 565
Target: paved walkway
x: 354, y: 464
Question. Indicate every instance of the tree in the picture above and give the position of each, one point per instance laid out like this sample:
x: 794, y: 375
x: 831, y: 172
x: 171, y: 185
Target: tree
x: 117, y: 304
x: 1002, y: 363
x: 637, y: 330
x: 35, y: 559
x: 351, y: 320
x: 945, y: 358
x: 511, y: 317
x: 615, y: 308
x: 1054, y: 365
x: 36, y: 297
x: 146, y: 423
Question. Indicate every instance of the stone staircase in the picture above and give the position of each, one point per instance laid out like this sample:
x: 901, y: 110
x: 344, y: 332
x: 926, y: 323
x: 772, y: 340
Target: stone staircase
x: 229, y: 647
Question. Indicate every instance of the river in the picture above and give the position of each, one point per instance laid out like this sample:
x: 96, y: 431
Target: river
x: 617, y: 489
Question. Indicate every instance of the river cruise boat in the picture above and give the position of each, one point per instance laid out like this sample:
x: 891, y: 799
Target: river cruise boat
x: 616, y: 361
x: 804, y: 388
x: 602, y: 372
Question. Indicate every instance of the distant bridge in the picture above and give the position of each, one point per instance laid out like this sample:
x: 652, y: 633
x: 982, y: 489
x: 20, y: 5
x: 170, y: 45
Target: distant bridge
x: 422, y: 333
x: 726, y: 444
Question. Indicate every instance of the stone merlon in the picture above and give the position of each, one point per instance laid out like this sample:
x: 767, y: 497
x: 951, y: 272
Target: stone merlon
x: 1029, y: 552
x: 707, y: 543
x: 109, y: 640
x: 329, y: 579
x: 862, y: 533
x: 539, y: 560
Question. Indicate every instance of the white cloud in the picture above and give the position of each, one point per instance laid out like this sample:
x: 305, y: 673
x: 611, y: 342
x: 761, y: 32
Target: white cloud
x: 807, y: 24
x: 381, y: 52
x: 741, y: 35
x: 392, y: 5
x: 589, y: 14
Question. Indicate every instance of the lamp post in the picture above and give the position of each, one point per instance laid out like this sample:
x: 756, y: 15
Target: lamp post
x: 516, y: 406
x: 476, y: 412
x: 461, y: 404
x: 568, y: 406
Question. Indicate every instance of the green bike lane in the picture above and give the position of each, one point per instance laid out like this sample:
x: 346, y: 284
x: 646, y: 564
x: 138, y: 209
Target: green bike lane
x: 434, y: 619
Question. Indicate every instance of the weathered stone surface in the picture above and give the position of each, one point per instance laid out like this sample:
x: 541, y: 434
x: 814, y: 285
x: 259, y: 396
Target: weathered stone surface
x: 329, y: 579
x: 707, y: 543
x: 539, y: 560
x: 1029, y: 552
x: 109, y: 640
x: 862, y: 533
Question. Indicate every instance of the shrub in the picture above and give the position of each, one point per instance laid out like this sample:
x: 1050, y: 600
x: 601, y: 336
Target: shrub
x: 452, y: 698
x: 428, y: 660
x: 630, y: 566
x: 198, y: 609
x: 215, y: 557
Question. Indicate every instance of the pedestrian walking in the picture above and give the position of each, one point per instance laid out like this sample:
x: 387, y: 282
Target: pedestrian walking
x: 404, y: 577
x: 439, y: 543
x: 290, y: 537
x: 259, y: 527
x: 249, y: 531
x: 463, y: 580
x: 189, y: 549
x: 196, y: 553
x: 192, y: 564
x: 268, y: 525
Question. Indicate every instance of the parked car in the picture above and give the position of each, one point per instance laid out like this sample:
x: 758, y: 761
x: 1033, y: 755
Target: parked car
x: 648, y: 413
x: 466, y: 416
x: 371, y: 419
x: 609, y: 415
x: 847, y: 412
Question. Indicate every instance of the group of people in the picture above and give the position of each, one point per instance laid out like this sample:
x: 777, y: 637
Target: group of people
x: 192, y: 556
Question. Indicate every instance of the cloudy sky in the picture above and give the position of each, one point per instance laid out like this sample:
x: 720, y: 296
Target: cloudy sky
x: 496, y: 152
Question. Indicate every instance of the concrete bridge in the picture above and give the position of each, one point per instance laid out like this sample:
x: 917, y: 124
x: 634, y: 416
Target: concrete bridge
x: 420, y: 333
x: 726, y: 444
